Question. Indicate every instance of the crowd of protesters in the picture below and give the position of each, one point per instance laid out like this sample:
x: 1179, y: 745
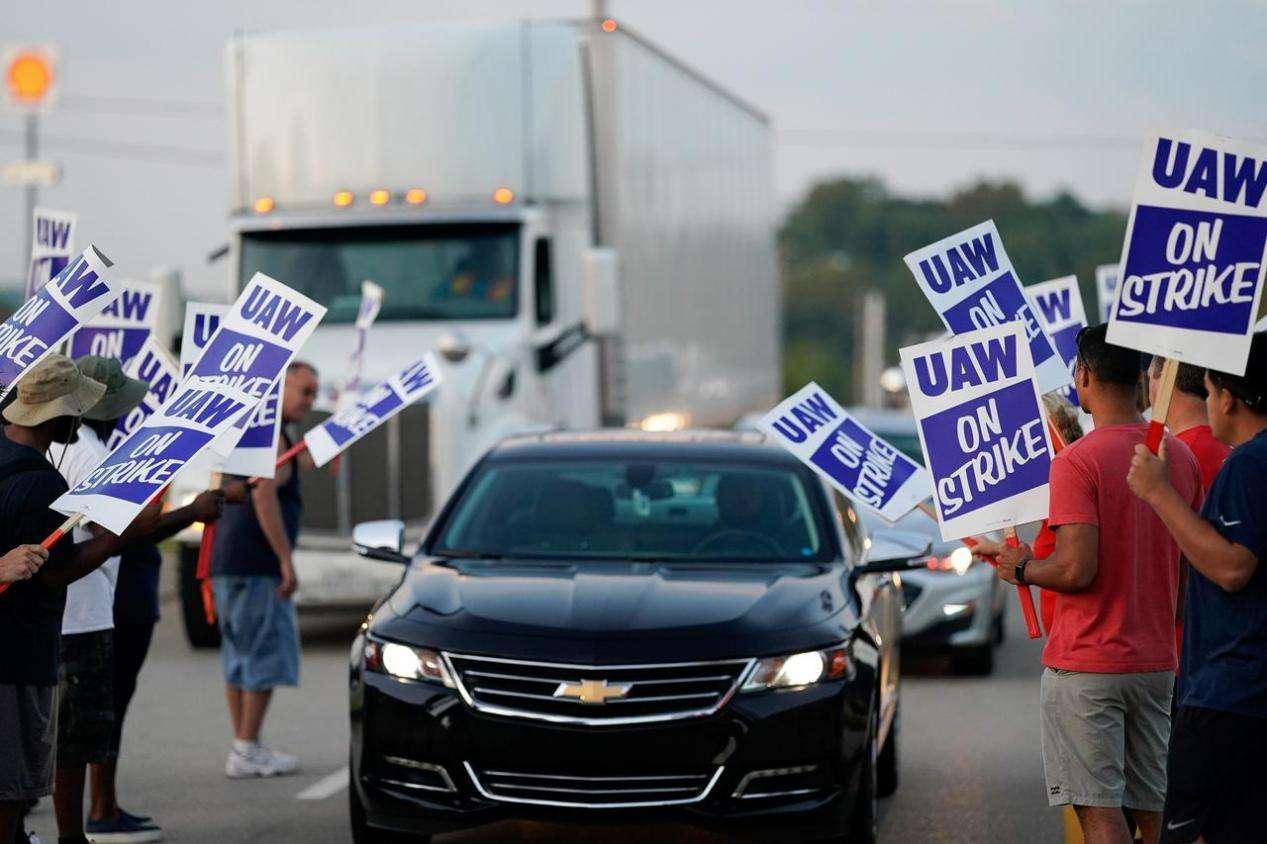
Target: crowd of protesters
x: 76, y: 620
x: 1152, y: 564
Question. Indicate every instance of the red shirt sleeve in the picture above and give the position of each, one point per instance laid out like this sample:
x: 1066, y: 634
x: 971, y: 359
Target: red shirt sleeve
x: 1073, y: 498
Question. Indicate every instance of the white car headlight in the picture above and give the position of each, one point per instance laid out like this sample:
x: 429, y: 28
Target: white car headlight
x: 406, y: 663
x: 800, y: 669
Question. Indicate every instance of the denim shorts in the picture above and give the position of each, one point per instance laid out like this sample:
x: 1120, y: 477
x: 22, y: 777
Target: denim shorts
x: 259, y: 633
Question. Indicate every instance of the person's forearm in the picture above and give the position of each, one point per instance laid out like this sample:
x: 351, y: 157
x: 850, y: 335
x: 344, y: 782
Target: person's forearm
x: 165, y: 526
x: 269, y: 514
x: 1223, y: 562
x: 88, y: 556
x: 1055, y: 574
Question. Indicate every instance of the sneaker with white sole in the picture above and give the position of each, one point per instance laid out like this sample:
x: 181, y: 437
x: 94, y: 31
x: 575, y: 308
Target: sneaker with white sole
x: 125, y: 829
x: 259, y: 761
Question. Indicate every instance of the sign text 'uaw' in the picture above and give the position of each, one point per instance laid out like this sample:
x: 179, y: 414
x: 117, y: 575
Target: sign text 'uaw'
x: 870, y: 471
x: 372, y: 409
x: 77, y: 294
x: 122, y: 327
x: 149, y: 458
x: 52, y: 246
x: 155, y: 367
x: 1193, y: 259
x: 1058, y: 306
x: 971, y: 283
x: 982, y: 428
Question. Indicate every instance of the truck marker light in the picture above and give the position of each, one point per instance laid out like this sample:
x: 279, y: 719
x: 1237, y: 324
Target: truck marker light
x: 343, y: 199
x: 380, y: 197
x: 263, y: 205
x: 608, y: 25
x: 415, y: 196
x: 503, y: 196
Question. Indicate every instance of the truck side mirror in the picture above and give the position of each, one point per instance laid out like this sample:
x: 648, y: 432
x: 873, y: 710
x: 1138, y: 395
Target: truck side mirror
x: 600, y: 294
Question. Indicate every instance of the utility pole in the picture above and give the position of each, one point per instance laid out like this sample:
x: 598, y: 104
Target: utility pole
x: 30, y: 85
x: 31, y: 147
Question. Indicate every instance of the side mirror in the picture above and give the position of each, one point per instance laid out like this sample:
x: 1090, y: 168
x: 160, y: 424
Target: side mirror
x: 380, y: 540
x: 893, y: 556
x: 453, y: 347
x: 600, y: 291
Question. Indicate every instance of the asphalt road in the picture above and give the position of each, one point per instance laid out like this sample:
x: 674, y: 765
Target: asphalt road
x: 970, y: 767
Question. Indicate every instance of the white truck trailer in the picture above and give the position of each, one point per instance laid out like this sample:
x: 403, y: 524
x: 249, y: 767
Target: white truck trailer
x: 581, y: 224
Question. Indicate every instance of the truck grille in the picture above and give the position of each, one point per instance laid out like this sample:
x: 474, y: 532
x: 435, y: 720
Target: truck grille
x: 596, y: 694
x: 583, y: 791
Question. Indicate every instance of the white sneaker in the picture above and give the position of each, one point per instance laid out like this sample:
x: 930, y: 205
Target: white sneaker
x: 259, y: 761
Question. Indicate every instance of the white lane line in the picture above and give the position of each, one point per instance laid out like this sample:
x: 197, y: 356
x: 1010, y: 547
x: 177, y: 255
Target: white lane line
x: 327, y: 786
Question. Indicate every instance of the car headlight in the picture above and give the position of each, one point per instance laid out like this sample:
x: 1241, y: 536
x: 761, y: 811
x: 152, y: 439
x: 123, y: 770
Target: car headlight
x: 406, y: 663
x: 801, y: 669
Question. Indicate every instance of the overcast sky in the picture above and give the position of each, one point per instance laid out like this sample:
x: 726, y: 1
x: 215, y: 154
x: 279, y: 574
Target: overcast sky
x: 928, y: 95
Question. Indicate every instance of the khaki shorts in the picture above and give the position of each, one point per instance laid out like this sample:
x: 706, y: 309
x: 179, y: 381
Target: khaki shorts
x: 1104, y: 738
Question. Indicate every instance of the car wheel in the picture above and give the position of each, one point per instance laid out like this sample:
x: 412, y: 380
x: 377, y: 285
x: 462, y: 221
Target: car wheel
x: 363, y: 833
x: 199, y: 633
x: 977, y: 661
x: 887, y: 764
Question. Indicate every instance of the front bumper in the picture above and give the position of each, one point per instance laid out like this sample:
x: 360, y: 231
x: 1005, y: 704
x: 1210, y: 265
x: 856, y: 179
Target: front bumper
x: 946, y: 610
x: 424, y: 761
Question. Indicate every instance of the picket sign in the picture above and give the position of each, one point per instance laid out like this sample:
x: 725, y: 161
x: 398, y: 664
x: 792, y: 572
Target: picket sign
x: 1193, y: 260
x: 120, y: 330
x: 1106, y: 276
x: 969, y: 280
x: 983, y: 432
x: 156, y: 368
x: 52, y: 245
x: 820, y: 433
x: 371, y: 304
x: 75, y: 295
x: 1058, y: 306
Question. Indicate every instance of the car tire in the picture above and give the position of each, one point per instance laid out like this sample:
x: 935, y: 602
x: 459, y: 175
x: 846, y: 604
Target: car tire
x: 199, y: 633
x: 977, y: 661
x: 886, y: 774
x: 363, y: 833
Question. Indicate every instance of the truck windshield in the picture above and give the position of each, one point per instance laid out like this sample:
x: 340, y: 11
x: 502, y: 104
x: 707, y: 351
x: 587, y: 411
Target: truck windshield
x: 613, y: 509
x: 427, y: 272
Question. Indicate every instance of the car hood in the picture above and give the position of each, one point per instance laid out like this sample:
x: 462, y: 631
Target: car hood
x: 593, y: 601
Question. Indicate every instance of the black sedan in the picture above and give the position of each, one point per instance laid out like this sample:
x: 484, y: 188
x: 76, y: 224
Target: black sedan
x: 620, y: 627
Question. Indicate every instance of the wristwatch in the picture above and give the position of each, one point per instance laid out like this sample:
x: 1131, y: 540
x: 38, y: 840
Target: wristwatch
x: 1020, y: 569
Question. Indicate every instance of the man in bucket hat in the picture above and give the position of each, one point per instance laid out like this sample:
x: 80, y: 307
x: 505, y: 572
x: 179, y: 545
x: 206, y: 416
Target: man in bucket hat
x: 43, y: 408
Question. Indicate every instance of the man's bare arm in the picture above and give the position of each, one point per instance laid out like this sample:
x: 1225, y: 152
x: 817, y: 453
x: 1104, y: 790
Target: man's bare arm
x: 1070, y: 568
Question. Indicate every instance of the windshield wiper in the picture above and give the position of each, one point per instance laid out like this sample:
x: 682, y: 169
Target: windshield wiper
x: 467, y: 553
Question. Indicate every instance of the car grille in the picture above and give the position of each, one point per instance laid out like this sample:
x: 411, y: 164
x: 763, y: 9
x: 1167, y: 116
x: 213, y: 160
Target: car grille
x: 910, y: 592
x: 585, y: 694
x: 584, y: 791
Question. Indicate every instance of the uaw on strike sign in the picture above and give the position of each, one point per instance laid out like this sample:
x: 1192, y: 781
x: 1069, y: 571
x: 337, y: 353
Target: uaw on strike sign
x: 372, y: 409
x: 868, y: 470
x: 982, y: 428
x: 1058, y: 304
x: 155, y: 367
x: 75, y: 295
x: 1193, y: 259
x: 121, y: 328
x: 969, y: 280
x: 248, y: 352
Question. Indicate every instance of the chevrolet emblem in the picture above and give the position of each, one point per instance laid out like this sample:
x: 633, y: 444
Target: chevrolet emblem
x: 592, y: 691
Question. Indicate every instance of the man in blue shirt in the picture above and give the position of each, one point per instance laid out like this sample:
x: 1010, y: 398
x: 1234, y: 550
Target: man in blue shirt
x: 1216, y: 790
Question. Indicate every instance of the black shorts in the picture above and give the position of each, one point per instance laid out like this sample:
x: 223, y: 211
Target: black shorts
x: 86, y: 715
x: 1215, y: 784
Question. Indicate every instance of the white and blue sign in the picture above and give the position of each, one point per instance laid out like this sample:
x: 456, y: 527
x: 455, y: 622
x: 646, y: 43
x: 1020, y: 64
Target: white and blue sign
x: 250, y: 349
x: 52, y: 246
x: 1106, y: 276
x: 112, y: 494
x: 1058, y: 305
x: 970, y: 282
x: 157, y: 369
x: 121, y: 329
x: 371, y: 304
x: 982, y: 428
x: 1193, y: 259
x: 77, y: 294
x: 865, y: 468
x: 372, y: 409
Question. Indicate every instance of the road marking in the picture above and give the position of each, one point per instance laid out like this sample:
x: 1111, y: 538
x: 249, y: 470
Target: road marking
x: 327, y: 786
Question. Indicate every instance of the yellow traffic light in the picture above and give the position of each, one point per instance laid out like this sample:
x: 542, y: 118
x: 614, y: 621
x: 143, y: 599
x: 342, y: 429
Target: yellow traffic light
x: 29, y: 77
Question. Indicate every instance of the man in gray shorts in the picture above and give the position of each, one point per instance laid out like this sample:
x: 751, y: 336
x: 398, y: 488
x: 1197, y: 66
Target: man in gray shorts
x: 1110, y: 655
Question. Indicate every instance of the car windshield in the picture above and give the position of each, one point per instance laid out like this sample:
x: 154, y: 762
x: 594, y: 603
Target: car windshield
x: 427, y: 272
x: 617, y: 509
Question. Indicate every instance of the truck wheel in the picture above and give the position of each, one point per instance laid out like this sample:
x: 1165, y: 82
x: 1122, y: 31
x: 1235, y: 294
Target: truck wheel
x: 977, y: 661
x: 199, y: 633
x: 886, y: 774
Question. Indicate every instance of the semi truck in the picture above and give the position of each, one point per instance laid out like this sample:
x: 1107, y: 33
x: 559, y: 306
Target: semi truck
x: 580, y: 224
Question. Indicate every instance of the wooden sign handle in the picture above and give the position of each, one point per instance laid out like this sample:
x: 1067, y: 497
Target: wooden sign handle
x: 1161, y: 404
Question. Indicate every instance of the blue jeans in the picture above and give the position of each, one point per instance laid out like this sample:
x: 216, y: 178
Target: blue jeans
x: 259, y: 633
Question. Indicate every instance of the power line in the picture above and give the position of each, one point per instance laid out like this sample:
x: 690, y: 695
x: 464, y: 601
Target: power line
x: 155, y: 153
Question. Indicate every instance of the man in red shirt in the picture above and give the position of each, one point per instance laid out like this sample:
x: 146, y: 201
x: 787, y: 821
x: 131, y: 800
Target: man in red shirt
x: 1110, y: 657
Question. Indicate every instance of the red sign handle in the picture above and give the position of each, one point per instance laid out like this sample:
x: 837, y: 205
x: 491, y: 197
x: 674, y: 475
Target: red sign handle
x: 1027, y: 597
